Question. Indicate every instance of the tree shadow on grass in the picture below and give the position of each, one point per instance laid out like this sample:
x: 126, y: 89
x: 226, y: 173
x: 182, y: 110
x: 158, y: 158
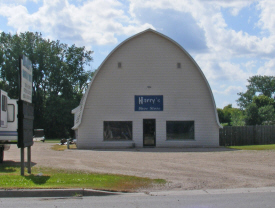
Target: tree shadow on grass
x: 11, y: 166
x: 4, y: 169
x: 38, y: 180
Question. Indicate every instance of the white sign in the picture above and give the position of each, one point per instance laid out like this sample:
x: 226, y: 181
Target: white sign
x: 26, y: 79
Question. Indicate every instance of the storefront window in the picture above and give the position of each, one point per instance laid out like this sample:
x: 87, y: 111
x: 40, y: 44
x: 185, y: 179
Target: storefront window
x: 180, y: 130
x: 117, y: 130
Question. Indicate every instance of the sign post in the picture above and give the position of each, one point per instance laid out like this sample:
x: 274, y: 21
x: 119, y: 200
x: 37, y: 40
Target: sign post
x: 25, y: 111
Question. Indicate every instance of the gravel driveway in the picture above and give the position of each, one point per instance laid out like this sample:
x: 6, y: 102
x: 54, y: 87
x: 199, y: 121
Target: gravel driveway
x: 187, y: 169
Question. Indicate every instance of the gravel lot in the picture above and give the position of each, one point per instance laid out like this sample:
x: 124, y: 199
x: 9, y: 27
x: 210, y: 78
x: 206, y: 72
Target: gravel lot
x: 184, y: 169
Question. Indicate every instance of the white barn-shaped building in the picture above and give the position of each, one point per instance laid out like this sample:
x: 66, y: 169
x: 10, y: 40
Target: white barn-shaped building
x: 147, y: 92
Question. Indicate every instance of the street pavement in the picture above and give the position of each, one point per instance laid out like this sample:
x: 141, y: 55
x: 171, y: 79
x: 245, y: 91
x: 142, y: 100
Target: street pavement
x: 226, y: 198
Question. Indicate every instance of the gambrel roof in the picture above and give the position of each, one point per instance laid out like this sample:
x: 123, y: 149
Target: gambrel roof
x: 79, y: 110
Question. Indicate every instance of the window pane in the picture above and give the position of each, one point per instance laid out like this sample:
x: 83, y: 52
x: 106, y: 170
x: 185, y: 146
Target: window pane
x: 180, y: 130
x: 4, y: 103
x: 11, y: 110
x: 117, y: 130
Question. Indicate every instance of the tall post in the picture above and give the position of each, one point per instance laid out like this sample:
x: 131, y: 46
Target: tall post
x: 22, y: 161
x: 29, y: 159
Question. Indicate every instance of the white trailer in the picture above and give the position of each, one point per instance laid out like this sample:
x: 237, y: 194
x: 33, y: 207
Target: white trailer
x: 8, y: 124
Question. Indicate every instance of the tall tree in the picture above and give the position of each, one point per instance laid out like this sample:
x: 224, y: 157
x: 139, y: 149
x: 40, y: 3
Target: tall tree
x: 59, y: 77
x: 264, y: 85
x: 229, y: 116
x: 258, y: 101
x: 260, y: 111
x: 252, y: 115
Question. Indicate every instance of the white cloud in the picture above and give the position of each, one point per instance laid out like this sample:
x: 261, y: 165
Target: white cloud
x: 87, y: 23
x: 225, y: 55
x: 233, y: 71
x: 207, y: 15
x: 235, y: 6
x: 16, y: 2
x: 233, y: 90
x: 224, y: 44
x: 228, y: 95
x: 250, y: 66
x: 17, y: 14
x: 267, y: 16
x: 230, y: 90
x: 225, y: 71
x: 268, y: 68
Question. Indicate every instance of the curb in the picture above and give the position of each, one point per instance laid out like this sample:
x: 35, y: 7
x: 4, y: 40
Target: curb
x: 6, y: 193
x: 53, y: 193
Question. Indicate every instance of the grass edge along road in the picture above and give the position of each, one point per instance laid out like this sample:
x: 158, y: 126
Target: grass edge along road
x: 47, y: 178
x: 254, y: 147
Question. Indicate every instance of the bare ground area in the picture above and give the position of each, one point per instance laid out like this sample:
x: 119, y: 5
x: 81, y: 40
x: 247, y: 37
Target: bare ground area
x: 184, y: 169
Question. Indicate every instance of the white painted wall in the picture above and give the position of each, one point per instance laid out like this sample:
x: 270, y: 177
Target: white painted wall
x: 148, y: 59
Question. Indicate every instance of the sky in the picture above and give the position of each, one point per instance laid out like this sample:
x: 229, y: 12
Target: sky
x: 231, y: 40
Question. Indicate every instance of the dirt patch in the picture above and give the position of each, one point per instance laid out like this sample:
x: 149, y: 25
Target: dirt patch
x: 184, y: 169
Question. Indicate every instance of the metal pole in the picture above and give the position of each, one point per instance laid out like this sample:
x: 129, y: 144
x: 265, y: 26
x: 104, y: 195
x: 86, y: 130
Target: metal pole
x: 68, y: 143
x: 29, y: 160
x: 22, y: 161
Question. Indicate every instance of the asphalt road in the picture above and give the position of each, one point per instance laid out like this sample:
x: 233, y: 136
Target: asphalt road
x: 191, y: 199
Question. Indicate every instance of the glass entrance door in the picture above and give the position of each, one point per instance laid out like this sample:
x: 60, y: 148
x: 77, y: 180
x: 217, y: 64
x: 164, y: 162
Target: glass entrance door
x: 149, y: 132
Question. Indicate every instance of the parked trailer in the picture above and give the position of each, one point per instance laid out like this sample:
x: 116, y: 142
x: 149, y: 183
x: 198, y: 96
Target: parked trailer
x: 8, y: 124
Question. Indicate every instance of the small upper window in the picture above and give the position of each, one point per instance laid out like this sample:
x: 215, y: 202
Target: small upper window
x: 11, y: 113
x: 178, y: 65
x: 4, y: 103
x: 119, y: 65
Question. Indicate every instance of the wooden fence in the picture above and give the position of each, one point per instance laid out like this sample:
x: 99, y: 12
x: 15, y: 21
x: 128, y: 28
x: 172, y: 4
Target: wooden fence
x: 247, y: 135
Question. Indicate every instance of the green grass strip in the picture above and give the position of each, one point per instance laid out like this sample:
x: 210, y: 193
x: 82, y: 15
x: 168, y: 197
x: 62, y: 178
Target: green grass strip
x: 255, y: 147
x: 46, y: 178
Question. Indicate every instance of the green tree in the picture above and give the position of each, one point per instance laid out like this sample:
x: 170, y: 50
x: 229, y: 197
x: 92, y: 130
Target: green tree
x: 258, y: 101
x: 267, y: 115
x: 59, y: 77
x: 264, y: 85
x: 221, y: 115
x: 252, y: 115
x: 237, y: 117
x: 260, y: 111
x: 262, y: 101
x: 229, y: 116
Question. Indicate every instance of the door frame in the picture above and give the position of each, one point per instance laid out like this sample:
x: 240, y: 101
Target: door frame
x: 144, y: 123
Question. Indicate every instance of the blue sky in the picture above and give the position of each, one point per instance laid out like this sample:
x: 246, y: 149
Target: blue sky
x: 231, y: 40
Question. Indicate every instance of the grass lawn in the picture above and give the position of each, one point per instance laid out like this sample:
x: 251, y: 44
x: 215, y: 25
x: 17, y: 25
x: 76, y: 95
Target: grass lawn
x: 46, y: 178
x: 52, y: 140
x: 54, y: 178
x: 254, y: 147
x: 58, y: 147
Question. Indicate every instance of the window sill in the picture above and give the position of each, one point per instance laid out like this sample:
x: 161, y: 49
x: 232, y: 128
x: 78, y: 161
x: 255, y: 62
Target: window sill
x: 117, y: 140
x: 179, y: 140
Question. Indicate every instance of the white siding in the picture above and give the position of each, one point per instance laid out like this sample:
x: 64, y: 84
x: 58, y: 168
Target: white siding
x: 151, y: 60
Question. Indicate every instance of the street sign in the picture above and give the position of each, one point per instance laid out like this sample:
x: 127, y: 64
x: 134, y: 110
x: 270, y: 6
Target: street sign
x: 25, y: 111
x: 25, y: 79
x: 25, y: 124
